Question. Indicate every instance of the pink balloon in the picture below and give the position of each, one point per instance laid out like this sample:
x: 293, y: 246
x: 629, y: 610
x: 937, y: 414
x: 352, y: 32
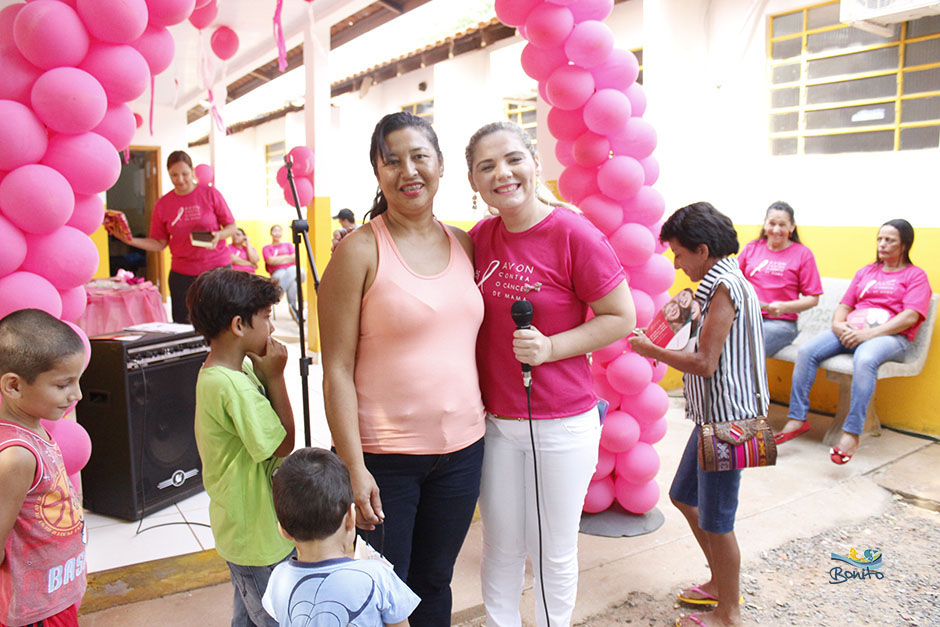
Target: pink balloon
x: 639, y: 464
x: 650, y: 170
x: 620, y: 177
x: 591, y: 9
x: 281, y: 176
x: 83, y: 337
x: 563, y: 152
x: 637, y: 139
x: 569, y: 87
x: 50, y: 34
x: 610, y: 352
x: 576, y: 183
x: 202, y: 3
x: 646, y: 206
x: 88, y: 213
x: 633, y: 244
x: 17, y: 77
x: 74, y: 301
x: 650, y: 404
x: 201, y: 18
x: 138, y: 120
x: 600, y: 495
x: 157, y: 48
x: 66, y: 257
x: 13, y: 247
x: 36, y: 198
x: 589, y: 44
x: 548, y: 25
x: 629, y: 373
x: 607, y: 112
x: 115, y: 22
x: 118, y: 125
x: 620, y: 431
x: 657, y: 229
x: 644, y: 308
x: 88, y: 161
x: 224, y: 43
x: 25, y: 290
x: 637, y: 97
x: 605, y: 213
x: 303, y: 161
x: 170, y: 12
x: 566, y: 125
x: 618, y: 71
x: 659, y: 368
x: 74, y: 443
x: 514, y: 12
x: 637, y: 499
x: 304, y: 192
x: 653, y: 432
x: 539, y: 63
x: 603, y: 389
x: 605, y: 464
x: 656, y: 275
x: 23, y: 138
x: 590, y: 149
x: 69, y: 100
x: 660, y: 299
x: 7, y: 17
x: 120, y: 69
x: 204, y: 174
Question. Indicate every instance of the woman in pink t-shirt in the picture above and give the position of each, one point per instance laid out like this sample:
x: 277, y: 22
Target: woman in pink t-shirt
x: 876, y: 320
x: 783, y: 273
x: 558, y: 261
x: 244, y: 255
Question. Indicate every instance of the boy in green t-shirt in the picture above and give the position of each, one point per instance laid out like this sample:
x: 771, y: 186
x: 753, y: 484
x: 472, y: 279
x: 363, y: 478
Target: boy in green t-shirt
x: 244, y: 427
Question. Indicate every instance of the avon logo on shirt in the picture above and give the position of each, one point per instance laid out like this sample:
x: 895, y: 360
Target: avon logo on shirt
x: 506, y: 279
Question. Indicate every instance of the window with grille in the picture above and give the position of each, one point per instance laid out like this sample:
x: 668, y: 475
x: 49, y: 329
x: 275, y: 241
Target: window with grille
x: 423, y: 109
x: 638, y: 53
x: 838, y: 89
x: 522, y: 112
x: 273, y: 160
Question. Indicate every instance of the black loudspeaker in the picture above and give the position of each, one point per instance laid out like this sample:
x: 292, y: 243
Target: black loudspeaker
x: 138, y: 405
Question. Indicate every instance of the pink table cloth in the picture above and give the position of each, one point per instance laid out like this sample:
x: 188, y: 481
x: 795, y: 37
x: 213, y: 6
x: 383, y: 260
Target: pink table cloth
x: 115, y: 305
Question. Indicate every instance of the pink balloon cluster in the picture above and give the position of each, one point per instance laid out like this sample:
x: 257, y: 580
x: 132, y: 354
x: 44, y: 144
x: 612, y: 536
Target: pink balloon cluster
x: 302, y: 171
x: 607, y: 149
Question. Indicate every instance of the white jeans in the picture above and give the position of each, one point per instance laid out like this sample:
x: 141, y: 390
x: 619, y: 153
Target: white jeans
x: 566, y: 458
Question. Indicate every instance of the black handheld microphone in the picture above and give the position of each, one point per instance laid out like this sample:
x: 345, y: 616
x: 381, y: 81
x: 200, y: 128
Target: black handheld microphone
x: 522, y: 312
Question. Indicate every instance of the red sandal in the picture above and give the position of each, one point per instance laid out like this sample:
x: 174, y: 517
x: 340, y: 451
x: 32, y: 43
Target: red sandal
x: 838, y: 456
x: 780, y: 438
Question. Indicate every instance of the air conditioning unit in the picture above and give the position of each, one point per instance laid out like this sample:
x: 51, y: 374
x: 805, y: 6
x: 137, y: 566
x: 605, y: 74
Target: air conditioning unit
x: 875, y: 16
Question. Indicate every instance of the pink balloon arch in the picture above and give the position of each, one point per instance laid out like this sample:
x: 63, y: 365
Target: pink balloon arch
x: 302, y: 171
x: 606, y: 148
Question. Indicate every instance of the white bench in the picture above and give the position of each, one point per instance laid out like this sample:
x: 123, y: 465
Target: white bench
x: 840, y: 368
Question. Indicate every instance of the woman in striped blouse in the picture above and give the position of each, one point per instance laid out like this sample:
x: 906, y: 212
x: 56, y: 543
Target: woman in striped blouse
x: 719, y: 386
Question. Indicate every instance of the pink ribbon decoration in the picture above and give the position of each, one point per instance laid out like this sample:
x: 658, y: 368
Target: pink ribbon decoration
x: 279, y: 37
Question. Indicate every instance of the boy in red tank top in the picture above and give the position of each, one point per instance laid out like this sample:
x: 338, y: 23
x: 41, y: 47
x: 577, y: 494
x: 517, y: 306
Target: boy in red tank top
x: 42, y: 559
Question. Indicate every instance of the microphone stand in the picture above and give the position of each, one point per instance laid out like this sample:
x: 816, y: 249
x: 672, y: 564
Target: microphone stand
x: 300, y: 230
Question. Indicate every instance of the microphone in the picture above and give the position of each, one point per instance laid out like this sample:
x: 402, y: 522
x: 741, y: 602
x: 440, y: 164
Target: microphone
x: 522, y: 312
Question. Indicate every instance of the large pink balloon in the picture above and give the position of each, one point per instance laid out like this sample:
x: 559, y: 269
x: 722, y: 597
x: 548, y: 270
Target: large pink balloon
x: 590, y: 149
x: 637, y: 499
x: 589, y: 44
x: 514, y: 12
x: 304, y: 192
x: 639, y: 464
x: 620, y: 431
x: 591, y: 9
x: 548, y: 25
x: 610, y: 352
x: 566, y: 125
x: 604, y: 212
x: 201, y: 18
x: 629, y: 373
x: 637, y: 139
x: 117, y: 126
x: 84, y: 338
x: 88, y: 161
x: 569, y: 87
x: 633, y: 244
x: 302, y: 161
x: 653, y: 432
x: 650, y: 404
x: 36, y: 198
x: 607, y: 112
x: 74, y: 301
x: 169, y: 12
x: 281, y: 176
x: 25, y: 290
x: 114, y: 21
x: 620, y: 177
x: 7, y: 17
x: 654, y: 276
x: 23, y: 138
x: 637, y: 97
x: 643, y: 305
x: 157, y: 47
x: 74, y: 443
x: 224, y: 42
x: 563, y: 151
x: 605, y: 464
x: 12, y: 246
x: 650, y: 170
x: 576, y: 183
x: 600, y: 495
x: 204, y: 174
x: 646, y: 206
x: 603, y: 389
x: 659, y: 368
x: 69, y: 100
x: 17, y: 77
x: 618, y: 71
x: 88, y: 213
x: 66, y: 257
x: 120, y: 69
x: 539, y: 63
x: 50, y: 34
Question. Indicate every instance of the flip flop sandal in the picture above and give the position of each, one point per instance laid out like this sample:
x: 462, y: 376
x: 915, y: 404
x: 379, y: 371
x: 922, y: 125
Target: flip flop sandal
x: 694, y: 617
x: 704, y: 599
x: 838, y: 456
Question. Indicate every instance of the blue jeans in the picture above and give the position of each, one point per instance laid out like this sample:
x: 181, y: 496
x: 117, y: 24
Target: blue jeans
x: 867, y: 356
x: 250, y: 583
x: 428, y: 502
x: 715, y: 494
x: 777, y: 334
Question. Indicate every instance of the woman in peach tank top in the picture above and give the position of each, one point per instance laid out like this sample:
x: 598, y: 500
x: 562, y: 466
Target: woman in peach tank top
x: 399, y: 315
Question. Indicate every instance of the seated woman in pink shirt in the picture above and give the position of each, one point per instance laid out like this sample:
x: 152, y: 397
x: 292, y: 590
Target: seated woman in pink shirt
x: 783, y: 273
x: 876, y: 321
x: 279, y: 262
x: 244, y: 255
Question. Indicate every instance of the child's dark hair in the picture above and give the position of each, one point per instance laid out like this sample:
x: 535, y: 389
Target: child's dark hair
x: 217, y: 296
x: 33, y: 342
x: 312, y: 493
x: 700, y: 223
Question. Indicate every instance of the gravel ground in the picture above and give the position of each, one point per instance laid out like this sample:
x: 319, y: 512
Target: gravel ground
x: 791, y: 584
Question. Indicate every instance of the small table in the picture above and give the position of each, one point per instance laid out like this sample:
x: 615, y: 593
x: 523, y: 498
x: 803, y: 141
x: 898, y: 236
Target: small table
x: 114, y: 305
